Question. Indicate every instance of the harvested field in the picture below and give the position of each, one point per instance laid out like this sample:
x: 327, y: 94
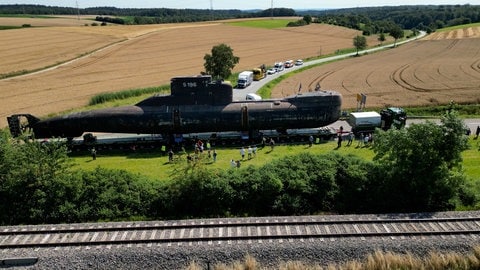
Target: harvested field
x: 141, y: 56
x: 432, y: 71
x: 113, y: 58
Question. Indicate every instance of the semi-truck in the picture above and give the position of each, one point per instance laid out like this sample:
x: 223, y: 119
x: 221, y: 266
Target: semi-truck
x: 245, y: 78
x: 367, y: 122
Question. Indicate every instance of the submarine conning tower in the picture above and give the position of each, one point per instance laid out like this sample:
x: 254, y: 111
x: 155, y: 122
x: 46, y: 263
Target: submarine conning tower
x: 194, y: 90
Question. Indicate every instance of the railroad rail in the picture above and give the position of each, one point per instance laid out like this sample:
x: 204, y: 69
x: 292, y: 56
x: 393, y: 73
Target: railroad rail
x: 231, y: 231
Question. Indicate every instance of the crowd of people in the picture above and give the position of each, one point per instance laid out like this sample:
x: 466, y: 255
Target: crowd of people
x: 206, y: 152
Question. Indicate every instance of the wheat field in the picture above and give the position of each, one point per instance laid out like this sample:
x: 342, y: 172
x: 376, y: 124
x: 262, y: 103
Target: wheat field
x: 74, y: 61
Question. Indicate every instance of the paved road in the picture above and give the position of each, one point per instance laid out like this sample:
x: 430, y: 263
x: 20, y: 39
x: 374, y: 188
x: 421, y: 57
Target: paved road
x: 239, y: 94
x: 472, y: 124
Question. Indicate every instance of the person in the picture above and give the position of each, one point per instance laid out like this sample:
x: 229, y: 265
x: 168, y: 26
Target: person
x: 272, y: 143
x: 200, y: 146
x: 163, y: 149
x: 214, y: 155
x: 360, y: 142
x: 477, y: 132
x: 208, y: 145
x: 339, y: 140
x: 242, y: 152
x: 366, y: 139
x: 249, y: 151
x: 170, y: 155
x: 350, y: 138
x: 233, y: 164
x: 310, y: 141
x: 238, y: 163
x: 94, y: 153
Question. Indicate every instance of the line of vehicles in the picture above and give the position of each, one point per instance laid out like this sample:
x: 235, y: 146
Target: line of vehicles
x: 245, y: 78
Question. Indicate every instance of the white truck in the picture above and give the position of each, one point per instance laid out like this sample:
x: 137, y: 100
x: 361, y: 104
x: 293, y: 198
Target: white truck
x: 245, y: 78
x: 364, y: 122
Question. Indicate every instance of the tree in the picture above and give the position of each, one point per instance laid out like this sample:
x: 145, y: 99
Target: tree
x: 307, y: 19
x: 221, y: 62
x: 360, y: 42
x: 29, y: 173
x: 381, y: 37
x: 420, y: 166
x: 396, y: 32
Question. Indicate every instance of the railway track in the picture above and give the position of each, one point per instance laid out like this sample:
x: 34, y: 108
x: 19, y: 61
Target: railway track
x: 233, y: 231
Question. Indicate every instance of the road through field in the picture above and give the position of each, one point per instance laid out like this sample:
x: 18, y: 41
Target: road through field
x: 240, y: 94
x: 147, y: 57
x: 422, y: 73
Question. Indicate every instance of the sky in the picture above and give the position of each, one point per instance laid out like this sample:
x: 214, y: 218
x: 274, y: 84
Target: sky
x: 231, y: 4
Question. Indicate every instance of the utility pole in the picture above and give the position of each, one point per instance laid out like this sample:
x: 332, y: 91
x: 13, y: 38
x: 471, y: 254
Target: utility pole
x: 271, y: 10
x: 211, y: 10
x: 78, y: 11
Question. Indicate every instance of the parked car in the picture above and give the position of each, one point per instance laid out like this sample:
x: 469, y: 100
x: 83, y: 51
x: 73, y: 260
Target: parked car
x: 288, y: 63
x: 299, y: 62
x: 271, y: 71
x: 279, y: 66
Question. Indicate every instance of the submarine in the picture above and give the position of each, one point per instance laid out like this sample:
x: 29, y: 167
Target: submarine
x: 195, y: 104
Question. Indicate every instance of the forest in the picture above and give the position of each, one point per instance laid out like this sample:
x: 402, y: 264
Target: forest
x: 373, y: 20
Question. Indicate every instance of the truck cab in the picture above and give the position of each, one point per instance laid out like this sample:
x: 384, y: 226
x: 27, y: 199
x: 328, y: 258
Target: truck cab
x: 393, y: 117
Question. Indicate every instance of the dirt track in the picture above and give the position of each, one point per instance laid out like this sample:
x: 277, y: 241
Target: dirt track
x: 143, y: 56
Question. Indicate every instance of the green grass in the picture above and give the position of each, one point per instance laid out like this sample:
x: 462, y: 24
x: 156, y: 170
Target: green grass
x: 471, y: 160
x: 456, y: 27
x: 27, y: 16
x: 267, y: 24
x: 122, y: 95
x: 9, y: 27
x: 154, y: 164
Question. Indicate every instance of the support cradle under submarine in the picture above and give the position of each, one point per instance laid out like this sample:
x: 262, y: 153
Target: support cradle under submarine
x: 196, y: 104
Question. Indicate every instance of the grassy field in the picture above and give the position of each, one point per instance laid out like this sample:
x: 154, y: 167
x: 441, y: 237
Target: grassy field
x: 266, y: 24
x: 154, y: 164
x: 457, y: 27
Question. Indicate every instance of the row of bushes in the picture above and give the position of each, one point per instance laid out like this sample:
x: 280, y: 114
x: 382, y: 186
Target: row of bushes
x: 106, y: 97
x: 304, y: 184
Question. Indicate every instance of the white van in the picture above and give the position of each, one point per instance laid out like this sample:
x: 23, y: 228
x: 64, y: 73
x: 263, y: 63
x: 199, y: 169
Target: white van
x: 252, y: 96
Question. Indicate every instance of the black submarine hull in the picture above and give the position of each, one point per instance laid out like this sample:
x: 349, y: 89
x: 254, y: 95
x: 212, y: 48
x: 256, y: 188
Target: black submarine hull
x: 198, y: 105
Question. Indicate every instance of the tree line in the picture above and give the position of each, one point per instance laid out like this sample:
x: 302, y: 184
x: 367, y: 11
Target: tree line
x: 370, y: 20
x: 414, y: 170
x: 375, y: 20
x: 144, y: 15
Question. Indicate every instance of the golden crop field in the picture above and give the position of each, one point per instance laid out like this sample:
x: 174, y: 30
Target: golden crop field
x: 114, y: 58
x: 87, y: 60
x: 440, y: 68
